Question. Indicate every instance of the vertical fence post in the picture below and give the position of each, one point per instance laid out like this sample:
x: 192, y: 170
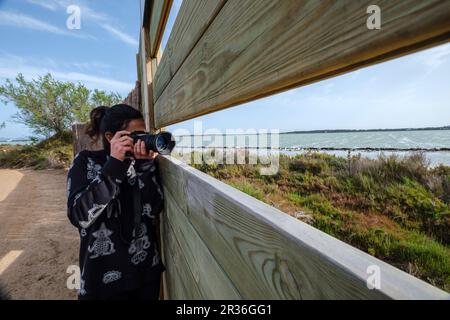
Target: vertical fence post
x: 156, y: 13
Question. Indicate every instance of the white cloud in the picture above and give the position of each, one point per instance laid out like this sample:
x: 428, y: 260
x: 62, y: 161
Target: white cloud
x: 8, y: 18
x: 106, y: 22
x: 24, y: 21
x: 11, y: 65
x: 434, y: 57
x: 89, y: 14
x: 120, y: 35
x: 93, y: 81
x: 50, y: 5
x: 89, y: 65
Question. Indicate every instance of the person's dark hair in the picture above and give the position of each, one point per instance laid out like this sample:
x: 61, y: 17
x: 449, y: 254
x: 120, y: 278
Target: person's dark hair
x: 110, y: 119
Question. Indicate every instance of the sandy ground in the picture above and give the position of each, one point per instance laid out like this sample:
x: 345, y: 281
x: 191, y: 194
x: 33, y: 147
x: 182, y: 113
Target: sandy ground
x: 37, y: 242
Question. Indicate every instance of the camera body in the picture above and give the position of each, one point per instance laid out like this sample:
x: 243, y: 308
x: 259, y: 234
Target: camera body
x: 162, y: 142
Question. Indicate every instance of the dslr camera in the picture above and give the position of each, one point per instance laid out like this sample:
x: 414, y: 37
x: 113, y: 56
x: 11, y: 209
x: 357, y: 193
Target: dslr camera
x: 162, y: 142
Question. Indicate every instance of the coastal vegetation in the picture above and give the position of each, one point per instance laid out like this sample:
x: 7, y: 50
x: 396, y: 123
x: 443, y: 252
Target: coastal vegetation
x: 396, y: 209
x: 49, y: 107
x: 55, y: 152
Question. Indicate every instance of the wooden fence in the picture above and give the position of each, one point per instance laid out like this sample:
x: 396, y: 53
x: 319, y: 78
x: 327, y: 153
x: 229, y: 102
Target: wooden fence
x: 217, y: 241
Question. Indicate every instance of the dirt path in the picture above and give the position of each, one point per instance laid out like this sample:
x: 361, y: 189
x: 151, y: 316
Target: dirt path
x: 37, y: 242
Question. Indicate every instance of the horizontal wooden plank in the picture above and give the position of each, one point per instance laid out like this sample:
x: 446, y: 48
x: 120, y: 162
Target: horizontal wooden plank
x: 159, y: 13
x: 256, y: 48
x: 180, y: 282
x: 268, y: 254
x: 201, y: 263
x: 192, y: 20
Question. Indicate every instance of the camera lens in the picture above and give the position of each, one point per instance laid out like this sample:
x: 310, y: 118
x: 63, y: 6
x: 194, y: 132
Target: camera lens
x: 164, y: 143
x: 160, y: 143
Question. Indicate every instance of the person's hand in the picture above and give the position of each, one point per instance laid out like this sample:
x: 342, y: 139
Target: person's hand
x: 140, y: 152
x: 121, y: 143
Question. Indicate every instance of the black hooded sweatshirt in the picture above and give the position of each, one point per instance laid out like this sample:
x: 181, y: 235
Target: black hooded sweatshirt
x: 118, y: 249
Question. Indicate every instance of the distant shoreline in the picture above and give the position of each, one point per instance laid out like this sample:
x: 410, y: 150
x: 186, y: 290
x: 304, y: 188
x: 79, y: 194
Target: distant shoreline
x: 14, y: 140
x: 324, y: 131
x: 437, y: 149
x: 367, y: 130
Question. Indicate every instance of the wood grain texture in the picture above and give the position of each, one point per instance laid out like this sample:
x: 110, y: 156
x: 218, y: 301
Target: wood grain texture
x: 134, y: 97
x: 158, y: 19
x: 257, y: 48
x: 181, y: 283
x: 81, y: 141
x: 138, y: 66
x: 144, y: 80
x: 268, y: 254
x: 202, y: 264
x: 192, y: 20
x: 148, y: 65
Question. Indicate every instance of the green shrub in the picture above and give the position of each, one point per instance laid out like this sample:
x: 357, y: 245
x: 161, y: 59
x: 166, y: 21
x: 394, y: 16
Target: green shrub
x: 54, y: 152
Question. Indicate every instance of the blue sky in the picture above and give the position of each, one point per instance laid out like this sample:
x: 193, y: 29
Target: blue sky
x: 412, y: 91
